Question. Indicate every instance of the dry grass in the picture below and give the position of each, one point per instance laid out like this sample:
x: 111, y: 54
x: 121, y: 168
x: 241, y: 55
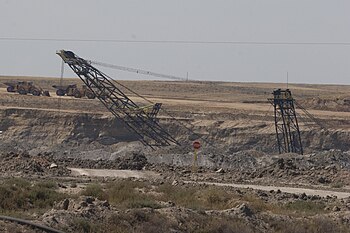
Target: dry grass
x: 302, y: 207
x: 317, y: 225
x: 208, y: 198
x: 145, y: 221
x: 19, y: 194
x: 130, y: 194
x: 124, y: 194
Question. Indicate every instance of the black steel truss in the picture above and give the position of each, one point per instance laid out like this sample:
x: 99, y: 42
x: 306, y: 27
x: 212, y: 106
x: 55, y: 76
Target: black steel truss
x: 141, y: 120
x: 286, y: 122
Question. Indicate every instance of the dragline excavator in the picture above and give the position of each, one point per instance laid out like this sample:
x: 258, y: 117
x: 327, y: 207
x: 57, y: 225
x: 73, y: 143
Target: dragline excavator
x: 140, y: 120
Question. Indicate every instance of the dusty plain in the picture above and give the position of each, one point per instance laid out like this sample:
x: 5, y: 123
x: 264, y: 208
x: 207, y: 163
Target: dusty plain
x: 69, y: 164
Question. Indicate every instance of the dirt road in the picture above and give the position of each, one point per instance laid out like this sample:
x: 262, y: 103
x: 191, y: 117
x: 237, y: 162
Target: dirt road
x: 149, y: 174
x: 112, y: 173
x: 319, y: 192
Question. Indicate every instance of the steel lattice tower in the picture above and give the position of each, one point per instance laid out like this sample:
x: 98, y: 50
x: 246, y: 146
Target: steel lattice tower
x: 286, y: 123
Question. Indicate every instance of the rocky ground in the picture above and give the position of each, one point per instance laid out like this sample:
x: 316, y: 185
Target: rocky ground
x: 168, y: 203
x: 41, y: 138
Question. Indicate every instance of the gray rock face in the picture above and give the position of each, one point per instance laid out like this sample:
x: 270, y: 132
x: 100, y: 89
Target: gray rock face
x: 243, y: 210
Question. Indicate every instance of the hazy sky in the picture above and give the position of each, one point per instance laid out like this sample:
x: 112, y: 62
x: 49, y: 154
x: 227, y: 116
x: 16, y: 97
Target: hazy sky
x: 182, y: 20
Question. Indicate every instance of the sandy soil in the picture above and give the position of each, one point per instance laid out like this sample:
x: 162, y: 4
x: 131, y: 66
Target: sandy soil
x: 238, y: 154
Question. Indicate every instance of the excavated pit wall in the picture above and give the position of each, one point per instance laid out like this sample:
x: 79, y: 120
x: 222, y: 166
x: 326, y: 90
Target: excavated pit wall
x: 30, y: 129
x: 98, y: 136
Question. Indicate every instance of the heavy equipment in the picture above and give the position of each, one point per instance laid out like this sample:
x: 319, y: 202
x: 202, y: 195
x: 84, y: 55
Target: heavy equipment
x: 286, y: 122
x: 140, y: 120
x: 25, y: 87
x: 74, y: 90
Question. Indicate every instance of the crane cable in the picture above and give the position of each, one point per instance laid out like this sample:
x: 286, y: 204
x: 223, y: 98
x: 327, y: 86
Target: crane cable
x: 138, y: 71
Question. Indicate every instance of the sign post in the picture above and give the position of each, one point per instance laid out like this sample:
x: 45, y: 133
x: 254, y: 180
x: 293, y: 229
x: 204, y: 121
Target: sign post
x: 196, y: 146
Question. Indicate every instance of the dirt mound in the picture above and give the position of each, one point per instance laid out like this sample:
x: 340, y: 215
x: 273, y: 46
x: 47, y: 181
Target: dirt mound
x: 69, y: 212
x: 23, y: 164
x: 328, y: 167
x: 133, y: 162
x: 93, y: 214
x: 255, y: 160
x: 244, y: 160
x: 323, y: 167
x: 89, y: 214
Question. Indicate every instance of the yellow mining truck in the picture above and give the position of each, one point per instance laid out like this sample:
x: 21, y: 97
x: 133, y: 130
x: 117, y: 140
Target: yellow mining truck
x: 74, y: 90
x: 25, y: 87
